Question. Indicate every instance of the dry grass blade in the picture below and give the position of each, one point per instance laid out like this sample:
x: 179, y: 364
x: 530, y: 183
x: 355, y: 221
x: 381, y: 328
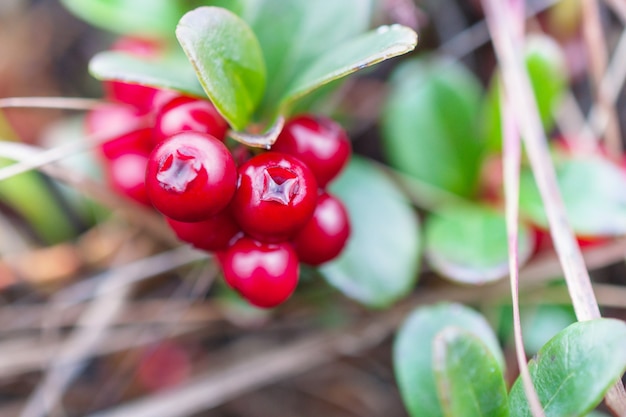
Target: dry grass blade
x: 512, y: 149
x: 597, y: 52
x: 63, y: 103
x: 518, y: 88
x: 611, y: 85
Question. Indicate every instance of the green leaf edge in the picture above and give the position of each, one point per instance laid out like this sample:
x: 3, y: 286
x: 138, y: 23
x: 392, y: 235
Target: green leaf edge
x: 406, y: 44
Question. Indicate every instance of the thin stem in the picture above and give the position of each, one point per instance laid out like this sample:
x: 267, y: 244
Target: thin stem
x: 518, y: 88
x: 511, y: 163
x: 597, y: 52
x: 64, y: 103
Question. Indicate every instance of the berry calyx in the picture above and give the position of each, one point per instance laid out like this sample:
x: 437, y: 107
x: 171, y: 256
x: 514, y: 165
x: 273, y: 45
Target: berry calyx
x: 191, y: 176
x: 212, y: 234
x: 325, y: 235
x: 187, y: 113
x: 265, y: 274
x: 275, y: 197
x: 318, y: 141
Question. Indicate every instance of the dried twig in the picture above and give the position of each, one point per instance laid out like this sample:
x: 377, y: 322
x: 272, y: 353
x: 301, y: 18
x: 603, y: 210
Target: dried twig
x: 598, y: 57
x: 518, y: 86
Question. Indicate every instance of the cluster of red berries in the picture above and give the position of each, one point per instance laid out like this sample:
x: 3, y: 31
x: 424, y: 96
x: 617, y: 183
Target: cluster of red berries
x: 261, y: 214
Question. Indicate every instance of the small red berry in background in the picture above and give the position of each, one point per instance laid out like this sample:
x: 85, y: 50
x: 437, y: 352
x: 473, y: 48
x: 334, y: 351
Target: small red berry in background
x: 265, y: 274
x: 126, y: 173
x: 325, y: 235
x: 191, y: 176
x: 212, y: 234
x: 318, y: 141
x: 275, y: 198
x: 188, y: 114
x: 164, y: 365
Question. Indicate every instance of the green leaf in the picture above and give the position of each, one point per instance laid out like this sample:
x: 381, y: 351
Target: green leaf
x: 293, y: 34
x: 469, y: 379
x: 429, y: 124
x: 468, y: 243
x: 575, y: 369
x: 355, y: 54
x: 380, y: 263
x: 132, y: 17
x: 546, y: 66
x: 32, y: 199
x: 413, y: 352
x: 172, y: 72
x: 593, y: 190
x: 228, y: 60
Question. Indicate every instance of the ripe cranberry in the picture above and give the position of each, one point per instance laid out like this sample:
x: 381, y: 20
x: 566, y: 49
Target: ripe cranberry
x: 212, y: 234
x: 139, y: 96
x: 325, y: 235
x: 113, y: 119
x: 265, y: 274
x: 126, y: 174
x: 275, y: 197
x: 187, y: 113
x: 191, y: 176
x: 319, y: 142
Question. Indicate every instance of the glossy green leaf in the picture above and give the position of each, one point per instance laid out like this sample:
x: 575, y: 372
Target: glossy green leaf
x: 228, y: 60
x: 413, y: 352
x: 173, y: 73
x: 380, y: 263
x: 575, y: 369
x: 545, y: 63
x: 468, y: 243
x: 429, y: 124
x: 594, y: 192
x: 293, y: 34
x: 33, y: 200
x: 355, y: 54
x: 469, y: 379
x: 133, y: 17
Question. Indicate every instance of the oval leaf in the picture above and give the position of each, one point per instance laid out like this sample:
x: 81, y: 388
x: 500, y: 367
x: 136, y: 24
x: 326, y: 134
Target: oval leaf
x: 174, y: 73
x: 228, y: 61
x: 358, y: 53
x: 133, y: 17
x: 413, y: 352
x: 469, y: 379
x: 575, y: 369
x: 293, y: 34
x: 468, y: 243
x: 429, y: 124
x: 594, y: 193
x: 381, y: 261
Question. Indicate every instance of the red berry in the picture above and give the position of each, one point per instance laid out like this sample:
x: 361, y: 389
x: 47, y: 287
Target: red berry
x: 319, y: 142
x: 265, y: 274
x: 139, y: 96
x: 325, y: 235
x: 187, y: 113
x: 191, y: 176
x: 275, y: 197
x: 126, y: 174
x: 212, y: 234
x: 114, y: 119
